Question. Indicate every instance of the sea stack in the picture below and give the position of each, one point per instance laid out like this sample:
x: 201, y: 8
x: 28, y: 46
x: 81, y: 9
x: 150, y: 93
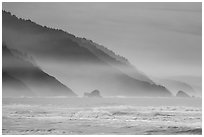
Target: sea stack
x: 95, y: 93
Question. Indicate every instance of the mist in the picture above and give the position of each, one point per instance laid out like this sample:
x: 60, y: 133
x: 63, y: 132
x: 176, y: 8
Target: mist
x: 151, y: 35
x: 101, y: 68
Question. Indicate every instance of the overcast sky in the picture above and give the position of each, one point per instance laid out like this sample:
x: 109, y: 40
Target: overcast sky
x: 161, y: 39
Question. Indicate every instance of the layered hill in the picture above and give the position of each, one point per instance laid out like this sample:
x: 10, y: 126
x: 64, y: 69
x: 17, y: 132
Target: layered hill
x: 13, y: 87
x: 182, y: 94
x: 22, y: 78
x: 78, y: 63
x: 174, y: 86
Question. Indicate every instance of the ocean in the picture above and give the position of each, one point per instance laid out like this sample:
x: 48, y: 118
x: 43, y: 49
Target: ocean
x: 101, y: 116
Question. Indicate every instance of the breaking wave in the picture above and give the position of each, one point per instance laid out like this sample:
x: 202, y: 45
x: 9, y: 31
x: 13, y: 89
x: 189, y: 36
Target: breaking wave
x: 125, y: 118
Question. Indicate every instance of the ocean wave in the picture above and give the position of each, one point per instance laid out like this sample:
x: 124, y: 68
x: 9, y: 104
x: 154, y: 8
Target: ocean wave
x: 19, y: 106
x: 196, y: 131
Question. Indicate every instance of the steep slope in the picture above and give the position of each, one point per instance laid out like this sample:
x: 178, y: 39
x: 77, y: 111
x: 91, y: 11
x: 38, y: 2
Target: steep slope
x: 22, y: 78
x: 110, y: 57
x: 75, y: 62
x: 12, y: 87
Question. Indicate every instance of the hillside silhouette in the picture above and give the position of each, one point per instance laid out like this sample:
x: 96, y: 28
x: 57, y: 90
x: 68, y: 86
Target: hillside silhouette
x: 76, y: 62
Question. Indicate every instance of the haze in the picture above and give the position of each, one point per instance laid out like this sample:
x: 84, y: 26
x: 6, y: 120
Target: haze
x: 161, y: 39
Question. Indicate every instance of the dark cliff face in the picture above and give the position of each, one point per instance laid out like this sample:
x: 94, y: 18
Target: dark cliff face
x: 22, y: 78
x: 78, y: 63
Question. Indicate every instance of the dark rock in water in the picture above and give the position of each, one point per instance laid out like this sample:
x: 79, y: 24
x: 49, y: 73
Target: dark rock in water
x: 182, y: 94
x: 95, y: 93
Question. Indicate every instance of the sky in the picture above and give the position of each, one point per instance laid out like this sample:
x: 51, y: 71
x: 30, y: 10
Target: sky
x: 160, y: 39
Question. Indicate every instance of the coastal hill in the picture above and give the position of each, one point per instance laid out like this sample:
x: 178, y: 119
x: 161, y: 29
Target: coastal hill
x: 76, y: 62
x: 22, y: 78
